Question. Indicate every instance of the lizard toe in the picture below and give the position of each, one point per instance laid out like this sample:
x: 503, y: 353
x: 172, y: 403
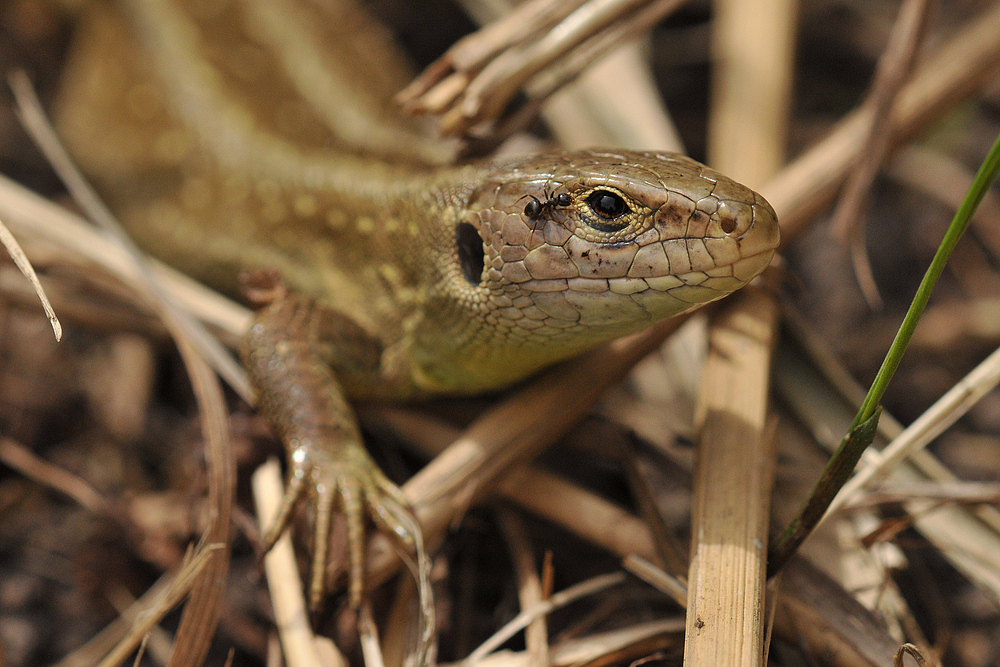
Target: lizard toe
x: 294, y: 490
x: 396, y: 520
x: 325, y: 498
x: 353, y: 507
x: 389, y: 510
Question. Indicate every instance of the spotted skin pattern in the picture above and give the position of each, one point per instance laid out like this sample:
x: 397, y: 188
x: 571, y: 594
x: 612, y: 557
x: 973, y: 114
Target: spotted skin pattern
x: 225, y: 147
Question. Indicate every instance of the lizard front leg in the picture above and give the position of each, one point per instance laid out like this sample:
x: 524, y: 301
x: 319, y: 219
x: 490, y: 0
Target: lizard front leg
x: 286, y: 353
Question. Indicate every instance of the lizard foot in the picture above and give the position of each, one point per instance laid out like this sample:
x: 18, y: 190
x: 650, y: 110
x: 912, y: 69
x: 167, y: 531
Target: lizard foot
x: 290, y: 352
x: 344, y: 479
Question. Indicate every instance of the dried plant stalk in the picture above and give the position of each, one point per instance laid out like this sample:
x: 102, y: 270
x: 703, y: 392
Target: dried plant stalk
x: 751, y: 88
x: 733, y: 475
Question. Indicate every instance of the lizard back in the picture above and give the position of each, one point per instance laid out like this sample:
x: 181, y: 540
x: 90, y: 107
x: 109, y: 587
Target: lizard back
x: 226, y: 144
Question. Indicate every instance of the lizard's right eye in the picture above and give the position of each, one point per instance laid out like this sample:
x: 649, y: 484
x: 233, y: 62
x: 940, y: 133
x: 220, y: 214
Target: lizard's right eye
x: 609, y: 212
x: 471, y: 256
x: 608, y: 205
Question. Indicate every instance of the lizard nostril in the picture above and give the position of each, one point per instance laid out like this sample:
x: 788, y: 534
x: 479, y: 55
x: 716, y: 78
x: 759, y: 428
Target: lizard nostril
x: 735, y: 217
x: 471, y: 256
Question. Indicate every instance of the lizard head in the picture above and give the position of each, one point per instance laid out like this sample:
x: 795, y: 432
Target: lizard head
x: 560, y: 252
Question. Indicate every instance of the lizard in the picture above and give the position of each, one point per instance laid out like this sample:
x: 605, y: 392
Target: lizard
x: 221, y: 135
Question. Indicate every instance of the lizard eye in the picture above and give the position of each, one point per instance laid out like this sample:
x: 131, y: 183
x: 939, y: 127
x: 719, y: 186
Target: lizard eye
x: 607, y: 205
x: 471, y: 256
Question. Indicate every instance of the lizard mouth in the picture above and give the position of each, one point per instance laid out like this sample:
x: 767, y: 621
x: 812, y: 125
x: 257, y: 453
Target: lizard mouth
x: 666, y: 295
x: 619, y: 305
x: 724, y: 279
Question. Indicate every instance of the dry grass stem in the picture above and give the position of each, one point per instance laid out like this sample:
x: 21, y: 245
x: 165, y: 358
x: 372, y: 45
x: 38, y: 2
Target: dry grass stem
x: 894, y: 68
x: 34, y: 218
x: 946, y: 180
x: 150, y: 610
x: 955, y: 70
x: 529, y: 589
x: 291, y: 616
x: 968, y: 493
x: 969, y: 537
x: 913, y: 652
x: 600, y: 41
x: 201, y: 615
x: 582, y: 114
x: 732, y: 488
x: 22, y: 263
x: 204, y: 604
x: 610, y: 527
x: 751, y: 89
x: 368, y: 634
x: 20, y: 458
x: 442, y: 81
x: 748, y: 125
x: 564, y: 597
x: 477, y: 82
x: 945, y: 412
x: 590, y: 649
x: 657, y: 578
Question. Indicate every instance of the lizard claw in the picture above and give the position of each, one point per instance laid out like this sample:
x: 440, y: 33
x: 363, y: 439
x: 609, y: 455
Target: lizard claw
x: 345, y: 479
x: 289, y: 358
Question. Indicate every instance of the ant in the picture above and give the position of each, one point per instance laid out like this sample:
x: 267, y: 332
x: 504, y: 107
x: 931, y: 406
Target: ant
x: 534, y: 208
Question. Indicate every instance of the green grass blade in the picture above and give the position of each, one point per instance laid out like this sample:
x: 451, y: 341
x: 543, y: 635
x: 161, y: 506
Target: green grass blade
x: 863, y: 428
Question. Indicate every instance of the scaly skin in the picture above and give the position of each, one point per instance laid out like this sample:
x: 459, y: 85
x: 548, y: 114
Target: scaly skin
x: 210, y: 141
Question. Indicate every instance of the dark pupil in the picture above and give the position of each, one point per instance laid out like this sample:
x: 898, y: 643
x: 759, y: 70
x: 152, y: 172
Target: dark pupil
x: 608, y: 205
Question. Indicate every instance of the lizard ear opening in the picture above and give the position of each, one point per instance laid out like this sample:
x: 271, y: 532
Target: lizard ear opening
x: 471, y: 256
